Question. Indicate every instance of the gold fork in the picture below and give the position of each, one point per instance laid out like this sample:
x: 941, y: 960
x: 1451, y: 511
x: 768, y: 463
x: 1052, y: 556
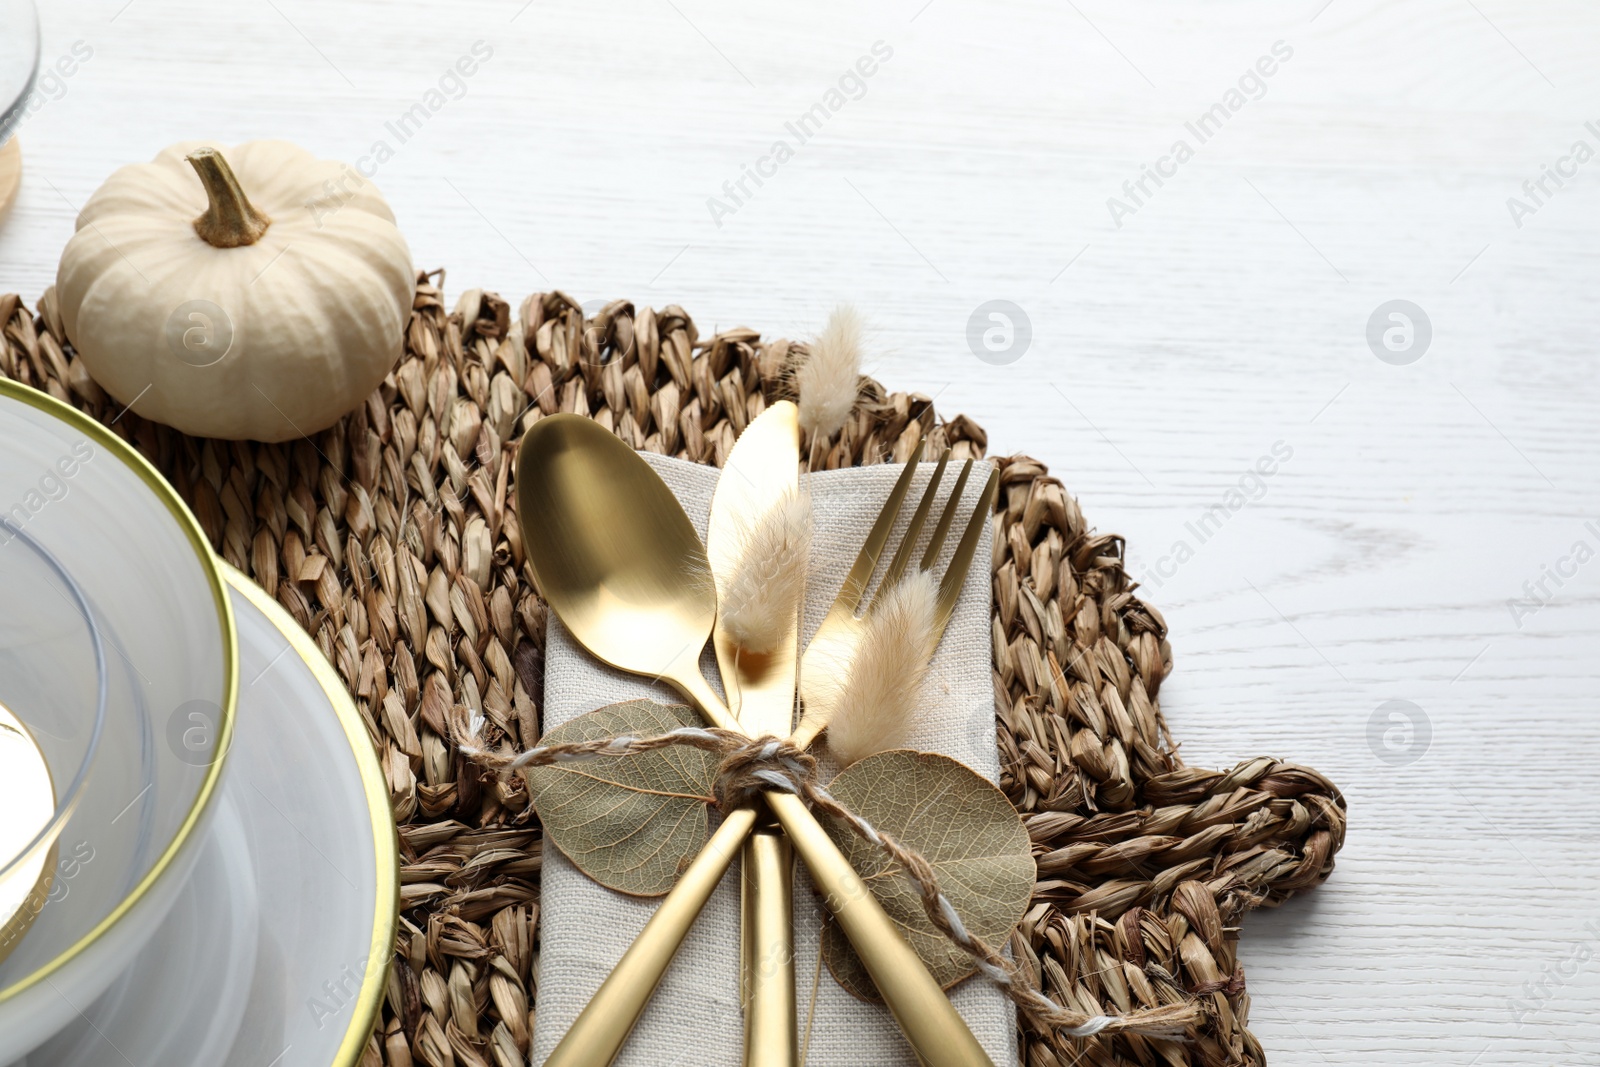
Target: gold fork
x: 596, y: 1037
x: 832, y: 650
x: 768, y: 901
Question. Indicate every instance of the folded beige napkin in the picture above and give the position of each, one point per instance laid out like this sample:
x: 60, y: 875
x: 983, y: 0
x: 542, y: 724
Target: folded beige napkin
x: 694, y: 1018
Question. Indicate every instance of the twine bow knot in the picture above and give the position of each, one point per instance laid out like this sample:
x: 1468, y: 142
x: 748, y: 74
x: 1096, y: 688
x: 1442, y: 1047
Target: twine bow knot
x: 754, y: 766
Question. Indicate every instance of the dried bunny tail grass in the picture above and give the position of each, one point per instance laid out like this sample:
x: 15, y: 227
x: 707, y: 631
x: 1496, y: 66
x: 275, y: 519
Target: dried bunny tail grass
x: 764, y: 591
x: 829, y: 381
x: 879, y: 702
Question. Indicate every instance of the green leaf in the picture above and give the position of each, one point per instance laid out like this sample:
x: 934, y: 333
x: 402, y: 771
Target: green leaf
x: 632, y: 823
x: 968, y: 831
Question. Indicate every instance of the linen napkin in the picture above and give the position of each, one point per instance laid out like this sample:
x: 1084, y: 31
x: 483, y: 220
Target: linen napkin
x: 694, y: 1017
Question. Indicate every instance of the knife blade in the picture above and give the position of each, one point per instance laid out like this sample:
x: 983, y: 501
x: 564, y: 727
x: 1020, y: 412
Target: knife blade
x: 762, y: 469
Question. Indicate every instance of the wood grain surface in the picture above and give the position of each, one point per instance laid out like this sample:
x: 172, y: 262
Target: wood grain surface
x: 1429, y: 531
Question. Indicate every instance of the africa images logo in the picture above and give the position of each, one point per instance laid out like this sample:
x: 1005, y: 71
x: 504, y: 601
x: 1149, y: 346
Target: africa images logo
x: 1539, y: 191
x: 1251, y: 85
x: 850, y: 85
x: 1250, y: 488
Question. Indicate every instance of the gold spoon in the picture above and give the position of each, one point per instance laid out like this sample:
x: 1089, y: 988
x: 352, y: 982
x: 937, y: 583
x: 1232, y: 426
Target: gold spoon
x: 620, y: 564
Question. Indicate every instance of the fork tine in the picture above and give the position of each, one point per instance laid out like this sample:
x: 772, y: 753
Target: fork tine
x: 936, y: 542
x: 908, y: 542
x: 950, y: 586
x: 855, y: 583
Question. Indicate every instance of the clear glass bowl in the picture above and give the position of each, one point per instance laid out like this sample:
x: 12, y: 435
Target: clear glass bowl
x: 19, y: 60
x: 52, y: 712
x: 156, y: 597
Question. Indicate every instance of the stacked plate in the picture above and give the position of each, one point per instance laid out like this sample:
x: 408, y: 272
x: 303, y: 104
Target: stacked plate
x: 197, y: 862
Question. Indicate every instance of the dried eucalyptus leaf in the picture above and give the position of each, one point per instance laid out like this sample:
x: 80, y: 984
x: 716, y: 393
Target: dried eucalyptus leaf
x: 632, y: 823
x: 968, y: 831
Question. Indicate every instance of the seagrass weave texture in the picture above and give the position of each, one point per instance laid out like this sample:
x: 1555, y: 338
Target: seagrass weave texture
x: 391, y: 539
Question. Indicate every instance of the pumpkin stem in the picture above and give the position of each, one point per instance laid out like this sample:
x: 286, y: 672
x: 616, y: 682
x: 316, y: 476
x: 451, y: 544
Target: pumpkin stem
x: 230, y: 220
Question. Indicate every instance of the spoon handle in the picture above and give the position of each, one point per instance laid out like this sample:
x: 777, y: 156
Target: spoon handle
x: 602, y: 1028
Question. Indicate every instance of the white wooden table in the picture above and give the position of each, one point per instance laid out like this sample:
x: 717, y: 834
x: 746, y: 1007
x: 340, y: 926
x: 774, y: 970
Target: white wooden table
x: 1390, y: 555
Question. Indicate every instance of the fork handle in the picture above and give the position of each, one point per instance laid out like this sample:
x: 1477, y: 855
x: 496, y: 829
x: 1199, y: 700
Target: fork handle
x: 936, y: 1031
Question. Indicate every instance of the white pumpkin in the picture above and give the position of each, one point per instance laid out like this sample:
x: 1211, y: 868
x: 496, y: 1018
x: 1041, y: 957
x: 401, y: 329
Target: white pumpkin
x: 263, y: 306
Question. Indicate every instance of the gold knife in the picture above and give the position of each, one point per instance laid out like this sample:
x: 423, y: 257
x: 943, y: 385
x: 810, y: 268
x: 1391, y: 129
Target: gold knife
x: 762, y: 469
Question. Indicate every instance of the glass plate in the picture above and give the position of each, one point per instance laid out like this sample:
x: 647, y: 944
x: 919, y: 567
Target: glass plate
x: 295, y: 899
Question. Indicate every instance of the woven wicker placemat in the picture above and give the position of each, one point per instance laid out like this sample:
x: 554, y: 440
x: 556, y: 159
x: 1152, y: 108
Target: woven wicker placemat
x: 391, y: 539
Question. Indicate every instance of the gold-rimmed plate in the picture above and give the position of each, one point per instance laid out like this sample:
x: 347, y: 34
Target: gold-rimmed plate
x: 276, y: 954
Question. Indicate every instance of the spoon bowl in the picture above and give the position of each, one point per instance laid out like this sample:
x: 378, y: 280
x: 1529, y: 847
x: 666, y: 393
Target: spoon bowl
x: 613, y: 553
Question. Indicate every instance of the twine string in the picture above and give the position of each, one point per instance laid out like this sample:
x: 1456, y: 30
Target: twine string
x: 752, y: 766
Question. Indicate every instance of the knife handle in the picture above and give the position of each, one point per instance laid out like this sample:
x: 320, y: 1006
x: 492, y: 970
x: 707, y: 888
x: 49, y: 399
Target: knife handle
x: 767, y: 944
x: 603, y: 1026
x: 936, y: 1031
